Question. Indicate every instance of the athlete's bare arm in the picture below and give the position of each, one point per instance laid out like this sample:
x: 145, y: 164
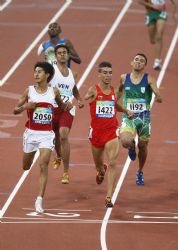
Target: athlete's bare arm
x: 22, y: 104
x: 78, y: 97
x: 73, y: 55
x: 91, y: 94
x: 64, y: 105
x: 153, y: 85
x: 121, y: 86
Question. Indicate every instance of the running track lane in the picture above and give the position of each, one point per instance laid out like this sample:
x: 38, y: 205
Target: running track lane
x: 58, y: 233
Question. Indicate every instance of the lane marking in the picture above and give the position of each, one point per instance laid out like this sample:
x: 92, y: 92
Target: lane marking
x: 9, y: 95
x: 11, y: 115
x: 104, y: 43
x: 5, y: 4
x: 82, y: 79
x: 171, y: 142
x: 158, y: 212
x: 18, y: 185
x: 8, y: 123
x: 57, y: 215
x: 77, y: 221
x: 61, y: 209
x: 155, y: 217
x: 108, y: 212
x: 10, y: 72
x: 127, y: 163
x: 34, y: 43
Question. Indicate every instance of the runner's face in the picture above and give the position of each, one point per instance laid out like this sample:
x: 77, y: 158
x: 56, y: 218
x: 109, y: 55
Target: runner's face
x: 53, y: 30
x: 62, y: 55
x: 40, y: 75
x: 106, y: 75
x: 138, y: 63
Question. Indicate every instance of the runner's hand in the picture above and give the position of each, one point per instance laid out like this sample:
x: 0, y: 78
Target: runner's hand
x: 80, y: 104
x: 69, y: 106
x: 130, y: 114
x: 158, y: 99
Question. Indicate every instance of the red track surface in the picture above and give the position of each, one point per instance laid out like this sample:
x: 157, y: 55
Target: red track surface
x: 86, y: 23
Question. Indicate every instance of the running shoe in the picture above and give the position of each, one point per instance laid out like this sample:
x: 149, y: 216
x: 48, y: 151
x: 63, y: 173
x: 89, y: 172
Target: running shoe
x: 139, y: 178
x: 108, y: 202
x: 65, y: 178
x: 132, y: 153
x: 57, y: 162
x: 38, y: 205
x: 100, y: 175
x: 157, y: 64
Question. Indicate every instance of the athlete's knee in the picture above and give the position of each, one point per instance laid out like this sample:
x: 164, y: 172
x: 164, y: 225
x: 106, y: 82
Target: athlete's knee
x: 112, y: 164
x: 63, y: 138
x: 44, y: 166
x: 143, y: 146
x: 127, y: 142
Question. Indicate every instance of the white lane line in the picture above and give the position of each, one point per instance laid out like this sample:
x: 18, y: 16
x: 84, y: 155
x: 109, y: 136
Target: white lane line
x: 127, y: 164
x: 155, y: 217
x: 82, y: 79
x: 34, y: 43
x: 15, y: 220
x: 25, y: 174
x: 107, y: 215
x: 5, y: 4
x: 104, y: 43
x: 9, y: 95
x: 60, y: 209
x: 18, y: 185
x: 145, y: 212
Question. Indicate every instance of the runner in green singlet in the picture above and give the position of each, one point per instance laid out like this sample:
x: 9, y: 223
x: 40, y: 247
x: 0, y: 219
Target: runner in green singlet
x: 156, y: 16
x: 137, y: 88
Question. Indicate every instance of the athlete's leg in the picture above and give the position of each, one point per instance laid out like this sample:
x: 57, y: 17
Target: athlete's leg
x: 65, y: 147
x: 127, y: 133
x: 58, y: 158
x: 160, y: 27
x: 112, y: 150
x: 142, y: 154
x: 98, y: 157
x: 27, y: 160
x: 152, y: 33
x: 45, y: 154
x: 127, y: 140
x: 57, y: 144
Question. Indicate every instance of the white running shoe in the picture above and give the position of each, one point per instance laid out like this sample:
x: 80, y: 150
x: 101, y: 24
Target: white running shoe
x: 157, y: 64
x: 38, y: 205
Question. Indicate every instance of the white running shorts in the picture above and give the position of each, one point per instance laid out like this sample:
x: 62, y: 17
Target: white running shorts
x: 33, y: 140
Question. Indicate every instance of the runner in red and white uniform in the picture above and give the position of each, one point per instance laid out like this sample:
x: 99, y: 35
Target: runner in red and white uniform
x: 104, y: 125
x: 38, y: 100
x: 62, y: 122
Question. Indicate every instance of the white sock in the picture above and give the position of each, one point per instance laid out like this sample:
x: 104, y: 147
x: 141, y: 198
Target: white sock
x: 38, y: 205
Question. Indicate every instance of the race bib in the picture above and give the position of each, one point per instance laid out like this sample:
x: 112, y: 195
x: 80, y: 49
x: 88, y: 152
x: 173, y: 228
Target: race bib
x: 66, y: 95
x: 158, y: 2
x: 105, y: 109
x: 136, y: 105
x: 42, y: 115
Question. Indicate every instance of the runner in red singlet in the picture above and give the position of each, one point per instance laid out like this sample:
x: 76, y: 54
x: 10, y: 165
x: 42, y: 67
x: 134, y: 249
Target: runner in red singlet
x: 104, y: 125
